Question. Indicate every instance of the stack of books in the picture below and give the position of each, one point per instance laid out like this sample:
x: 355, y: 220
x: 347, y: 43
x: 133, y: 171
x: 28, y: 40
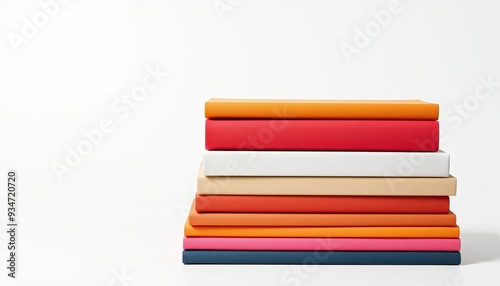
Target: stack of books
x: 322, y: 182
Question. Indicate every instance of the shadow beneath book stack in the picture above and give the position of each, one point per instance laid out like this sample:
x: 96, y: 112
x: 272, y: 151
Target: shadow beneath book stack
x: 479, y: 247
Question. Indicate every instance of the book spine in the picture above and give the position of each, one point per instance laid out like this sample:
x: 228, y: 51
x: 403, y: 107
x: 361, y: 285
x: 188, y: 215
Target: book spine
x: 324, y: 186
x: 322, y: 135
x: 339, y: 164
x: 322, y: 244
x: 266, y: 231
x: 322, y: 110
x: 288, y: 219
x: 321, y: 257
x: 324, y: 204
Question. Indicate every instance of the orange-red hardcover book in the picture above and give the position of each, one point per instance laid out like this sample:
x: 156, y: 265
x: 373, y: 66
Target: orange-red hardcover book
x: 323, y: 204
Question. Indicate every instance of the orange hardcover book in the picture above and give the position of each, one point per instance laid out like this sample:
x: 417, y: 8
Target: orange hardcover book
x: 287, y: 219
x: 321, y: 231
x: 323, y: 204
x: 321, y: 109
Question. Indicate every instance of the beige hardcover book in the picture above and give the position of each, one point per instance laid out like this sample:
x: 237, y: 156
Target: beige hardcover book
x: 325, y: 186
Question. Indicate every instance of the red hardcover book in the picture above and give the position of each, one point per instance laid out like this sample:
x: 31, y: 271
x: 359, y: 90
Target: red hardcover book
x: 322, y: 135
x: 324, y: 204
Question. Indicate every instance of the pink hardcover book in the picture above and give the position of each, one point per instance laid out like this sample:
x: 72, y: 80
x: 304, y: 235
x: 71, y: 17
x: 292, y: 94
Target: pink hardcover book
x: 320, y: 244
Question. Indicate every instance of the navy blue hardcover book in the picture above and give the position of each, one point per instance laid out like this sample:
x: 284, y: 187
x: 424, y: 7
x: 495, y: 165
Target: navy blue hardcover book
x: 321, y: 257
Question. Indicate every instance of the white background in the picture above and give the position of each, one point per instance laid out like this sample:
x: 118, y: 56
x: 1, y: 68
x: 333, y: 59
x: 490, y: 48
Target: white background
x: 122, y: 208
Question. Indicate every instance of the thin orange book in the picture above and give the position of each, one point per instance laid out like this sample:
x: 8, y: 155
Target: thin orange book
x: 324, y: 219
x: 321, y: 231
x: 321, y: 109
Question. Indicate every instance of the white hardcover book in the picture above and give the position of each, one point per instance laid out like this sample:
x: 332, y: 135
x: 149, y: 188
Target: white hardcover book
x: 326, y: 164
